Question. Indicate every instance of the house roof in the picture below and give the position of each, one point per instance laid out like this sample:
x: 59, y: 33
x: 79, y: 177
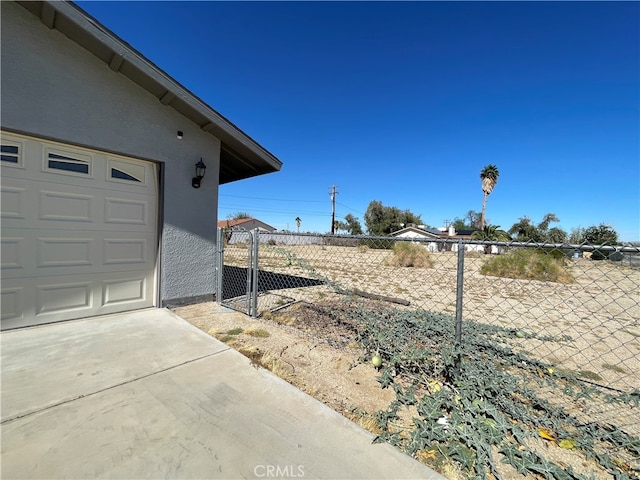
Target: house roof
x: 240, y: 156
x: 419, y: 231
x: 430, y: 232
x: 240, y: 222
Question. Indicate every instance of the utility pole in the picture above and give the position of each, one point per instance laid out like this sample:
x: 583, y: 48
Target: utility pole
x: 332, y: 193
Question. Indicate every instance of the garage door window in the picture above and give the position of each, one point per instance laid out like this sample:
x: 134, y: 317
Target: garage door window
x: 126, y: 171
x: 10, y: 154
x: 64, y: 163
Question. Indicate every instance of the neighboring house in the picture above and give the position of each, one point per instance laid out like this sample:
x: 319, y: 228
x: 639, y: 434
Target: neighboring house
x: 245, y: 224
x: 99, y: 148
x: 421, y: 232
x: 417, y: 232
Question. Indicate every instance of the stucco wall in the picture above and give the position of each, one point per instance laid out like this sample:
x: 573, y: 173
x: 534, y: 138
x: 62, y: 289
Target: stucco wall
x: 52, y: 87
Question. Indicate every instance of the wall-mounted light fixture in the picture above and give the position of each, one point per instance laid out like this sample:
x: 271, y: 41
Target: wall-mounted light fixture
x: 179, y: 135
x: 200, y: 169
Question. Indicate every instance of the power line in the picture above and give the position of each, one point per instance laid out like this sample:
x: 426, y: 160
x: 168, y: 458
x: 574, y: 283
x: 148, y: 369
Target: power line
x: 270, y: 210
x: 350, y: 208
x: 272, y: 199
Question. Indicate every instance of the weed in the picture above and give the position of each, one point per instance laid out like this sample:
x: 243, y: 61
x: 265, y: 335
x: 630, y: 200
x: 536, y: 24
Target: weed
x: 589, y: 375
x: 234, y: 331
x: 258, y: 333
x: 527, y: 265
x: 407, y: 254
x: 252, y: 353
x: 614, y: 368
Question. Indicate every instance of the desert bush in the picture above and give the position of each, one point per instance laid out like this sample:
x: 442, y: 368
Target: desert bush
x: 407, y: 254
x: 528, y: 265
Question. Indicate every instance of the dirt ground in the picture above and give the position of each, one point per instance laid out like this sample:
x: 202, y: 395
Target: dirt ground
x: 302, y: 348
x: 317, y: 354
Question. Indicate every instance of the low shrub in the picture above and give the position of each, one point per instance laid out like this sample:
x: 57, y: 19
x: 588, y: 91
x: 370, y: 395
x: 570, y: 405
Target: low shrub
x: 528, y: 264
x: 407, y: 254
x: 363, y: 248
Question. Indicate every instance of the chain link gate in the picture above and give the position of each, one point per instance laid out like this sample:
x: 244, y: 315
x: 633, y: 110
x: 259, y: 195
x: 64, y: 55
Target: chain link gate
x: 237, y: 270
x: 246, y: 284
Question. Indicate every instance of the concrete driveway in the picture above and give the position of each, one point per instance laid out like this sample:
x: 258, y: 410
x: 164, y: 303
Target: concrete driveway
x: 147, y: 395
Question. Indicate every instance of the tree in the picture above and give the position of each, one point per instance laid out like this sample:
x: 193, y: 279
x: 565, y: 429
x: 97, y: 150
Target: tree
x: 381, y: 220
x: 470, y: 222
x: 491, y: 233
x: 602, y: 234
x: 351, y: 225
x: 577, y: 235
x: 298, y: 222
x: 239, y: 216
x: 489, y: 176
x: 525, y: 231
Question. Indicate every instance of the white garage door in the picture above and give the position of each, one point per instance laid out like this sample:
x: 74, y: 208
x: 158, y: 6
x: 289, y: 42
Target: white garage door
x: 79, y: 232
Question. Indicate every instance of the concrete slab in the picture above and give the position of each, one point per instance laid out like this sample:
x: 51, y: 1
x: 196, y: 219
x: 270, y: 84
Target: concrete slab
x: 51, y: 364
x: 168, y: 414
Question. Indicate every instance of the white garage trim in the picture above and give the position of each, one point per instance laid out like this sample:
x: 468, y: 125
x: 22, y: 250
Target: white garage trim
x: 79, y: 232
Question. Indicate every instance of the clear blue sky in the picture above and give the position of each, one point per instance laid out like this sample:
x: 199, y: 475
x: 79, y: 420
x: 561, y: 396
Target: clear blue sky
x: 405, y: 103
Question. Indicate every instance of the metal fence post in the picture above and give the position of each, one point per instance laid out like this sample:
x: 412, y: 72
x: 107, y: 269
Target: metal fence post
x: 254, y: 271
x: 249, y: 280
x: 219, y: 264
x: 459, y: 298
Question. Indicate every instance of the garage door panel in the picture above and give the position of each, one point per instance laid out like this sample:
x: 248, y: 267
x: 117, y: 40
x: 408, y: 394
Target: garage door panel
x: 50, y: 299
x: 79, y: 232
x: 63, y: 295
x: 121, y: 211
x: 12, y: 253
x: 48, y: 252
x: 13, y: 202
x: 62, y: 206
x: 12, y: 302
x: 122, y: 251
x: 64, y: 252
x: 36, y: 204
x: 123, y: 290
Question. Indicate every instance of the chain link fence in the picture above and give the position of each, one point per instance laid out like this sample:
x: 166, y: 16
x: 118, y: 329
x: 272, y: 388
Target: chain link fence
x: 570, y: 314
x: 595, y: 303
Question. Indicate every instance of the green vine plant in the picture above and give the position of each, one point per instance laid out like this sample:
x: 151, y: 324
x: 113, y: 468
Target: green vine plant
x: 477, y: 403
x: 482, y: 397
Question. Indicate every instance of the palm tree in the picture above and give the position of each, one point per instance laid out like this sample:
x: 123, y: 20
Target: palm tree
x: 298, y: 222
x: 491, y: 233
x: 489, y: 176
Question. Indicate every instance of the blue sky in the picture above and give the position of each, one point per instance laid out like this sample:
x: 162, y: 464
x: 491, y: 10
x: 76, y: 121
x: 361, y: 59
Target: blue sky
x: 406, y: 102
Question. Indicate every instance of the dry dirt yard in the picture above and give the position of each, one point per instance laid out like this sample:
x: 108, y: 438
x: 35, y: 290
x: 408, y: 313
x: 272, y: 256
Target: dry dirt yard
x: 302, y: 348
